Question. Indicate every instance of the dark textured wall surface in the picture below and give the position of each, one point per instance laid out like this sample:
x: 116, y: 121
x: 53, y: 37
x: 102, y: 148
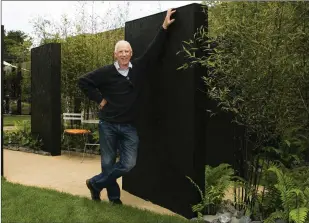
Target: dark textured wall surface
x: 45, y: 95
x: 171, y: 125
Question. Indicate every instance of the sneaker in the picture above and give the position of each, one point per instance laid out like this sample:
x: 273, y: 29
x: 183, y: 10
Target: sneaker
x: 94, y: 194
x: 116, y: 201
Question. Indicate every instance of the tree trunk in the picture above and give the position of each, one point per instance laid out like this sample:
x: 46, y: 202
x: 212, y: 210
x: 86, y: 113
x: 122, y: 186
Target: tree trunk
x: 18, y: 89
x: 7, y: 95
x: 77, y: 105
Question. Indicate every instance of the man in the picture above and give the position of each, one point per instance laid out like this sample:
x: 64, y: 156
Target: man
x: 116, y: 88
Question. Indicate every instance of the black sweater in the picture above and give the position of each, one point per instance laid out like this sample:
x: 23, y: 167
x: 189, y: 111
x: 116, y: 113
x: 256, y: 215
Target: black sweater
x: 120, y: 93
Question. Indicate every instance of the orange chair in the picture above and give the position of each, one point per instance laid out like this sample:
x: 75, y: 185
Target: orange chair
x: 75, y: 131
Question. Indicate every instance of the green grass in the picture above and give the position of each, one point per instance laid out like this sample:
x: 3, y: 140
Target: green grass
x: 31, y: 204
x: 8, y: 120
x: 25, y: 107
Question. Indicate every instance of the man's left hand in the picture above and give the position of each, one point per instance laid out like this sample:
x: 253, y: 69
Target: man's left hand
x: 168, y: 21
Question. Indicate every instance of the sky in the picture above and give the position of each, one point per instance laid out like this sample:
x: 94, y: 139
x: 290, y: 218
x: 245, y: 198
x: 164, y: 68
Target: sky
x: 19, y: 15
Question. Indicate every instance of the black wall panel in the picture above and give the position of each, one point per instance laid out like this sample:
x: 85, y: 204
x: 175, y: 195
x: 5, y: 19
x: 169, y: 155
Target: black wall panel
x: 177, y: 136
x: 170, y: 125
x: 45, y: 93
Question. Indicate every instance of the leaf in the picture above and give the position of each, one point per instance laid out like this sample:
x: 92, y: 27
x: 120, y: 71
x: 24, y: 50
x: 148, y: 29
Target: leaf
x: 274, y: 216
x: 306, y: 193
x: 196, y: 186
x: 235, y: 110
x: 272, y: 149
x: 288, y: 143
x: 299, y: 215
x: 186, y: 50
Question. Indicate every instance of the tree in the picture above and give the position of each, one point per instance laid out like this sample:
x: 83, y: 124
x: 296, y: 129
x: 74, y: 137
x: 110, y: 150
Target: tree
x: 257, y: 58
x: 16, y: 51
x: 84, y: 47
x: 17, y: 46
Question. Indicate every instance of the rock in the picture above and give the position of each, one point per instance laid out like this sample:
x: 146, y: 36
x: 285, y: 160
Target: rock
x: 202, y: 220
x: 245, y: 219
x: 239, y: 214
x: 227, y: 206
x: 210, y: 218
x: 235, y: 220
x: 225, y: 217
x: 216, y: 221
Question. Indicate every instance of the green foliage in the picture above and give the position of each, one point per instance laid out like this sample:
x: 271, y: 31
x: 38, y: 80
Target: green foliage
x: 16, y: 51
x: 257, y: 55
x: 300, y: 174
x: 95, y: 136
x: 22, y: 136
x: 82, y: 54
x: 293, y: 144
x: 72, y: 142
x: 9, y: 120
x: 306, y: 193
x: 17, y: 46
x: 258, y: 67
x: 299, y: 215
x: 217, y: 181
x: 275, y: 216
x: 294, y: 202
x: 25, y: 107
x: 290, y: 149
x: 26, y: 82
x: 83, y: 49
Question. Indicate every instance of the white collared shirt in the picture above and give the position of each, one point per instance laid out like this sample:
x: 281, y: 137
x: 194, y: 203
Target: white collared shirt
x: 123, y: 72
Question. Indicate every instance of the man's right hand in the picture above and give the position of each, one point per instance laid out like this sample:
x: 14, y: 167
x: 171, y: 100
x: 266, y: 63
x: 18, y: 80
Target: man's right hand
x: 168, y: 21
x: 102, y: 104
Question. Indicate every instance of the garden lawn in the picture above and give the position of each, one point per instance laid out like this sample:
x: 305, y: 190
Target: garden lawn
x: 25, y: 108
x: 8, y: 120
x: 31, y: 204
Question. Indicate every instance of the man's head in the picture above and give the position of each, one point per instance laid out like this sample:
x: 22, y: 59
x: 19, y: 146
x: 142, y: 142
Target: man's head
x: 123, y: 52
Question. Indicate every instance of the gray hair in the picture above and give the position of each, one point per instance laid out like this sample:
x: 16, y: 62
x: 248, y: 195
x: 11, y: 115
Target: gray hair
x: 121, y: 42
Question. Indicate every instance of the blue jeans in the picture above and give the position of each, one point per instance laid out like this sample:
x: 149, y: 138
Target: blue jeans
x: 115, y: 136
